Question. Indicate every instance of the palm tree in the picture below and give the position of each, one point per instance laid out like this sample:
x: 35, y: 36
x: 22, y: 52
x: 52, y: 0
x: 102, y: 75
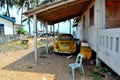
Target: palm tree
x: 2, y: 4
x: 19, y: 4
x: 8, y: 3
x: 27, y: 5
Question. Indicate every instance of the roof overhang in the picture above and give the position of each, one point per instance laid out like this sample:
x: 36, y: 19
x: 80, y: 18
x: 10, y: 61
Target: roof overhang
x: 59, y: 11
x: 7, y: 18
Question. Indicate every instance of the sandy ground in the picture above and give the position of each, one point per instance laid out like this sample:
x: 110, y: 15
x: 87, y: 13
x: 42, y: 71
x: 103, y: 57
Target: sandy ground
x: 19, y: 65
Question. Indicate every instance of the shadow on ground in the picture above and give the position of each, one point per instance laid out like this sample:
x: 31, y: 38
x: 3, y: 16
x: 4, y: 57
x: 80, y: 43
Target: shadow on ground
x: 51, y: 64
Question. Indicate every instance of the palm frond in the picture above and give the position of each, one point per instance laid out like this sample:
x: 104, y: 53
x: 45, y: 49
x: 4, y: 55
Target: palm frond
x: 24, y: 20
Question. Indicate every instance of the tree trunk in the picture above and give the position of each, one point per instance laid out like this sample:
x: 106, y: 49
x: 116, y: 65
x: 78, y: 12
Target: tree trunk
x: 28, y: 7
x: 21, y: 14
x: 8, y: 12
x: 29, y: 26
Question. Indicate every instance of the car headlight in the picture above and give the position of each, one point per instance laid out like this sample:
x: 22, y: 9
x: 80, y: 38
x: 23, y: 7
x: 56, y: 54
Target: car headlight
x: 57, y: 46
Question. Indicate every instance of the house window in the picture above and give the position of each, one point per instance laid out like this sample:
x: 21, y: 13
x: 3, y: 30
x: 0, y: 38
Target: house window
x: 84, y: 22
x: 112, y: 14
x: 92, y: 15
x: 1, y: 29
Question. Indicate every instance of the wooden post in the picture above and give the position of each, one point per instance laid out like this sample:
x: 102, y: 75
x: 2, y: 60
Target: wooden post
x: 98, y: 61
x: 58, y: 28
x: 54, y: 32
x: 50, y: 29
x: 35, y: 38
x: 70, y: 25
x: 46, y: 37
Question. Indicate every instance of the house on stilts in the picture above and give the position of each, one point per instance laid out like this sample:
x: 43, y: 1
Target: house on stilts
x: 98, y: 24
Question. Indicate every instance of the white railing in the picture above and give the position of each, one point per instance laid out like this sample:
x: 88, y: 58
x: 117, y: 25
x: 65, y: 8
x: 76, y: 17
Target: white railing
x: 109, y: 40
x: 109, y: 48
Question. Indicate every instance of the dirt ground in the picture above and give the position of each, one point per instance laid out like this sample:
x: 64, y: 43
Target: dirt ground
x: 20, y: 65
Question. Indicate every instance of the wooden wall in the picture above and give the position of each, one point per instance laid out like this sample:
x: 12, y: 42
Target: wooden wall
x: 112, y: 14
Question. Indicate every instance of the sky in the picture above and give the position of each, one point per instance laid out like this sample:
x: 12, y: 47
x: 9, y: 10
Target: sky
x: 64, y: 27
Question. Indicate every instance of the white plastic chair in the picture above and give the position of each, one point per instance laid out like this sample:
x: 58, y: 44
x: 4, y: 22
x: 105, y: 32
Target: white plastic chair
x: 77, y: 64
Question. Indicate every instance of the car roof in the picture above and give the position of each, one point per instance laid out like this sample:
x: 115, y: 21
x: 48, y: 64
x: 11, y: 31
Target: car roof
x: 65, y: 34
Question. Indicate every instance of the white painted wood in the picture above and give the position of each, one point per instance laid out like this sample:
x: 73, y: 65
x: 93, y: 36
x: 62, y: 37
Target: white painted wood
x: 79, y: 32
x: 97, y: 58
x: 35, y: 38
x: 107, y: 54
x: 97, y: 35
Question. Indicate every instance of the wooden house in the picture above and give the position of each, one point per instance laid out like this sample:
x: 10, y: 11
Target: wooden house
x: 99, y: 25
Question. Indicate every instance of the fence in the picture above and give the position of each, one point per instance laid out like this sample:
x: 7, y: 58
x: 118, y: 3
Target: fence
x: 9, y: 38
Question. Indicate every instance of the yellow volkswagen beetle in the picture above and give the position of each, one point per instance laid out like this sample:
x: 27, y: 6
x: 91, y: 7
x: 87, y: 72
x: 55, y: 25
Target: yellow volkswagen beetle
x: 65, y: 44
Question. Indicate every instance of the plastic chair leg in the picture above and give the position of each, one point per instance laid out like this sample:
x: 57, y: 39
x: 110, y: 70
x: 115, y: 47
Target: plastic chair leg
x: 82, y: 70
x: 73, y: 76
x: 68, y: 70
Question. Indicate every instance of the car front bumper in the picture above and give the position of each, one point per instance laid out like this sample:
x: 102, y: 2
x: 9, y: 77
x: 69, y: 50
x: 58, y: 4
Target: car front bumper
x: 66, y: 52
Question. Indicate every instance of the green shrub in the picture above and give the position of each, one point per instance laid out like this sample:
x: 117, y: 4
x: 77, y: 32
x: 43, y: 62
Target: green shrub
x: 96, y: 75
x: 21, y: 31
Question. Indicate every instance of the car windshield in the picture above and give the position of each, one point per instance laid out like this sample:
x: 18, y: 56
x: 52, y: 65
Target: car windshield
x: 63, y: 38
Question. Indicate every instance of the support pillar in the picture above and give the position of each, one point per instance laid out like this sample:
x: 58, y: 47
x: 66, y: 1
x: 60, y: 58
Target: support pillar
x: 46, y: 37
x: 54, y: 32
x: 35, y: 38
x: 98, y: 62
x: 50, y: 29
x: 70, y: 25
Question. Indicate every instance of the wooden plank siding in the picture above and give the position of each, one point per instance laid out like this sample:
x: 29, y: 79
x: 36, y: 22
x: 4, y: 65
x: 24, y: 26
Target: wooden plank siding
x: 112, y: 14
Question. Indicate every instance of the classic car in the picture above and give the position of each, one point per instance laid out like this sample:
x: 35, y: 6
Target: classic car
x: 65, y: 44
